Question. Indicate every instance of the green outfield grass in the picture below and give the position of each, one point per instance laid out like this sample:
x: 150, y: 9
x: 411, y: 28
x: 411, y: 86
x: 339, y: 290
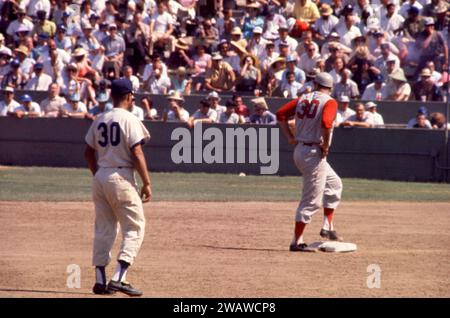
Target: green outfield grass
x: 61, y: 184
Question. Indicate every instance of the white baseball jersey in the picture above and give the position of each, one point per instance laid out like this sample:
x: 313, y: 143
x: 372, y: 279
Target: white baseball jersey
x: 113, y: 135
x: 310, y: 117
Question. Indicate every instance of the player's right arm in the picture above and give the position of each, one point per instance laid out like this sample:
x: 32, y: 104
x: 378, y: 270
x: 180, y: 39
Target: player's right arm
x: 139, y: 163
x: 89, y: 155
x: 283, y: 114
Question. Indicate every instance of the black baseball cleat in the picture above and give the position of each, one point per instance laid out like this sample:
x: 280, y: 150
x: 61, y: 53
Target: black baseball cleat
x: 125, y: 288
x: 302, y: 247
x: 101, y: 289
x: 331, y: 235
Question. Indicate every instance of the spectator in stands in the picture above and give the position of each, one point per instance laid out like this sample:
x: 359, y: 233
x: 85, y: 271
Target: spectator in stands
x: 344, y: 111
x: 202, y: 60
x: 8, y: 104
x: 128, y: 73
x: 28, y: 108
x: 361, y: 118
x: 361, y: 65
x: 176, y: 112
x: 268, y: 57
x: 21, y: 22
x: 413, y: 24
x: 102, y: 106
x: 385, y: 57
x: 306, y: 10
x: 431, y: 46
x: 161, y: 28
x: 398, y: 88
x: 214, y: 99
x: 376, y: 117
x: 221, y: 76
x: 241, y: 109
x: 261, y: 114
x: 157, y: 83
x: 391, y: 22
x: 137, y: 111
x: 53, y: 104
x: 346, y: 86
x: 43, y: 25
x: 435, y: 75
x: 438, y: 121
x: 181, y: 82
x: 425, y: 90
x: 229, y: 116
x: 257, y: 44
x: 420, y: 120
x: 74, y: 108
x: 309, y: 59
x: 150, y: 112
x: 249, y: 77
x: 63, y: 41
x: 375, y: 91
x: 291, y: 87
x: 347, y: 30
x: 325, y: 24
x: 285, y: 40
x: 252, y: 21
x: 204, y: 114
x: 14, y: 78
x: 180, y: 57
x: 114, y: 52
x: 208, y: 33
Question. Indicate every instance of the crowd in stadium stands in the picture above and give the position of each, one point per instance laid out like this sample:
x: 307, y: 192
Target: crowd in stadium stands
x: 376, y: 50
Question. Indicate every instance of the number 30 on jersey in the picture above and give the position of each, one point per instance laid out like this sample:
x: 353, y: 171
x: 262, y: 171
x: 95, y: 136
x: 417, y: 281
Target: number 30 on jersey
x: 308, y: 108
x: 109, y: 134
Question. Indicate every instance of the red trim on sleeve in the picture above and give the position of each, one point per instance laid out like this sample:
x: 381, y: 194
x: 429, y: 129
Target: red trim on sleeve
x: 329, y: 113
x: 287, y: 110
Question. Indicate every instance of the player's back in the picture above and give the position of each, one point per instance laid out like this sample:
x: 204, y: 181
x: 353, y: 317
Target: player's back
x: 113, y: 134
x: 308, y: 116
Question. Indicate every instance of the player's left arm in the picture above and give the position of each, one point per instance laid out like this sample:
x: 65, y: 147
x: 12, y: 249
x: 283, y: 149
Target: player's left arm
x: 89, y: 155
x: 140, y: 165
x: 328, y: 115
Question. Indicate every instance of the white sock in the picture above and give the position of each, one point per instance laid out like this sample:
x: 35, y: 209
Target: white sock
x: 100, y: 275
x: 120, y: 274
x: 326, y: 225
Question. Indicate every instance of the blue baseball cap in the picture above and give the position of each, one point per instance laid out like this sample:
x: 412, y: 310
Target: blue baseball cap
x: 379, y: 78
x: 38, y: 66
x: 66, y: 14
x: 121, y: 86
x: 15, y: 63
x: 413, y: 10
x: 102, y: 98
x: 26, y: 98
x: 422, y: 110
x: 62, y: 27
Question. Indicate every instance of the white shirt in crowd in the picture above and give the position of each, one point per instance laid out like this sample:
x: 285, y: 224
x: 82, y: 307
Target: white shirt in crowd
x: 81, y: 108
x: 211, y: 114
x: 184, y: 115
x: 39, y: 83
x: 34, y: 108
x: 138, y: 112
x: 371, y: 94
x: 5, y: 108
x: 232, y: 119
x: 346, y: 114
x: 162, y: 22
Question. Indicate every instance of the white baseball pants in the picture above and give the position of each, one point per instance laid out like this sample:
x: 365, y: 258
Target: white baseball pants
x: 321, y: 185
x: 117, y: 201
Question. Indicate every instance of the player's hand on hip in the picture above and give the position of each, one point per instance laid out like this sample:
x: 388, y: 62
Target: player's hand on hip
x: 325, y: 150
x: 146, y: 193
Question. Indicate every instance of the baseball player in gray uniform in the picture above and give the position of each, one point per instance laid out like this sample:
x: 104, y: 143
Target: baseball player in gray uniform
x: 315, y: 113
x: 117, y: 137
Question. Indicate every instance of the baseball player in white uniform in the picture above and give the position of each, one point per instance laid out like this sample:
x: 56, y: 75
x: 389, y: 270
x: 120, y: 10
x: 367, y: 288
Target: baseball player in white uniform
x: 117, y: 137
x: 315, y: 113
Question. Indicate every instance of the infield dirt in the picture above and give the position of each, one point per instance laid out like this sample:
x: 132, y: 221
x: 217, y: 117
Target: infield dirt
x: 232, y: 249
